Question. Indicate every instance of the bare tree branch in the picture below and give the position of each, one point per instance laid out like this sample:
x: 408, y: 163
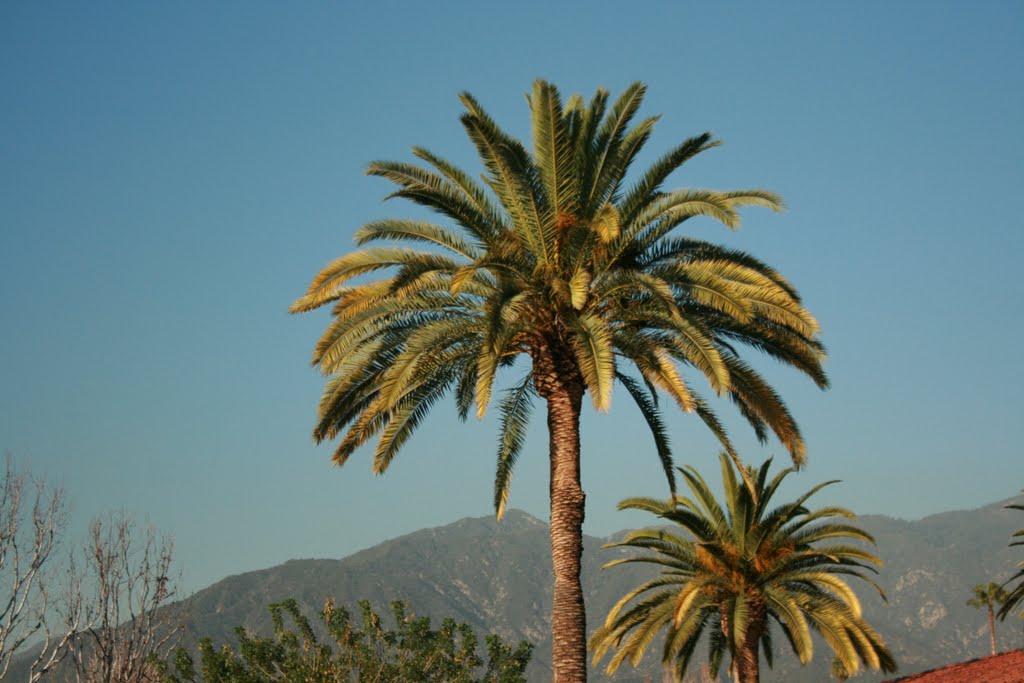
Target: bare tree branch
x: 130, y: 618
x: 33, y: 517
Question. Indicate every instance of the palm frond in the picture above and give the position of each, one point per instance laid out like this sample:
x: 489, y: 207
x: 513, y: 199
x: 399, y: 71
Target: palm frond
x: 692, y: 345
x: 649, y: 409
x: 609, y: 138
x: 421, y: 231
x: 607, y: 224
x: 552, y: 152
x: 666, y: 213
x: 406, y: 415
x: 650, y: 183
x: 596, y: 359
x: 326, y: 286
x: 473, y: 192
x: 512, y: 177
x: 515, y: 407
x: 762, y: 405
x: 579, y: 288
x: 436, y: 192
x: 617, y: 165
x: 1015, y: 595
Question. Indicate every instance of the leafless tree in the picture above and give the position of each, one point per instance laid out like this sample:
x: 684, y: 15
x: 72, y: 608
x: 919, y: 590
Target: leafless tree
x: 33, y: 517
x: 129, y: 584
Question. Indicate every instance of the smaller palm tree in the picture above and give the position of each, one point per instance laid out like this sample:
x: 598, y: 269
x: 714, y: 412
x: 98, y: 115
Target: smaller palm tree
x: 989, y: 595
x: 736, y: 570
x: 1016, y: 594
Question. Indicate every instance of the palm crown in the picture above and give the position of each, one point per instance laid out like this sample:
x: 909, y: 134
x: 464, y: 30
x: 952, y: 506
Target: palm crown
x: 734, y: 570
x: 987, y: 595
x: 554, y: 258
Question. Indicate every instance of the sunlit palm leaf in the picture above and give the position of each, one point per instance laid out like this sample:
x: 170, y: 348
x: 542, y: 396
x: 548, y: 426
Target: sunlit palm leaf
x: 515, y: 408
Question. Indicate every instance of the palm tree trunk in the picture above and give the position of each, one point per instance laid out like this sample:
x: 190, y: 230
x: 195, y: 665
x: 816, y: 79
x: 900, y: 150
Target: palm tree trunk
x: 992, y: 626
x: 748, y: 661
x: 568, y: 616
x: 748, y: 666
x: 558, y: 382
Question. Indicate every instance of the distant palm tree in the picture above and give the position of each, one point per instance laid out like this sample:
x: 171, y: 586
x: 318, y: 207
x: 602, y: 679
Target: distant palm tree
x: 555, y: 259
x: 737, y: 570
x: 989, y: 595
x: 1016, y: 594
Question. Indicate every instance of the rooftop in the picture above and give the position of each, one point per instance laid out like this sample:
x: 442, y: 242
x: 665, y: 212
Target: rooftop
x: 1005, y: 667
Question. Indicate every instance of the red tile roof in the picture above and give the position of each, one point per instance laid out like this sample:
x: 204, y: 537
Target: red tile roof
x: 1006, y: 667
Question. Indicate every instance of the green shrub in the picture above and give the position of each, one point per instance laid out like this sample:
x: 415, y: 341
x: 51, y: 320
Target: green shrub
x: 352, y: 652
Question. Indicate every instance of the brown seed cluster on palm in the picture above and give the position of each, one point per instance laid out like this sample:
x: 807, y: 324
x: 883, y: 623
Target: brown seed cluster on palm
x: 733, y: 572
x: 553, y: 255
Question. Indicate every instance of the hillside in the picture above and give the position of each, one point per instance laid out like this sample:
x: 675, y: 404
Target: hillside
x: 496, y: 577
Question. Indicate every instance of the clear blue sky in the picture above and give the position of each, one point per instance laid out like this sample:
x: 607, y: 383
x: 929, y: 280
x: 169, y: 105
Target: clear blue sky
x: 172, y: 175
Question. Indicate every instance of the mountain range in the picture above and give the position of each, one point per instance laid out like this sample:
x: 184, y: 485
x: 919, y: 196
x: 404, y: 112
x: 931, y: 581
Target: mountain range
x: 496, y: 576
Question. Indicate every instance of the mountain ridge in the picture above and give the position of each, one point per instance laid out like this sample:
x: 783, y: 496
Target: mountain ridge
x: 496, y: 576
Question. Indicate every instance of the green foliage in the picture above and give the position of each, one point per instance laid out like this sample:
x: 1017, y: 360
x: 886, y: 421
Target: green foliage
x: 738, y: 568
x: 354, y: 651
x: 551, y: 253
x: 988, y: 595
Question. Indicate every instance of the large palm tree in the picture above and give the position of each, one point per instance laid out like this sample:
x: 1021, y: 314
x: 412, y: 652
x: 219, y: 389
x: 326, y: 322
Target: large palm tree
x: 736, y: 569
x: 989, y: 595
x: 1016, y: 594
x: 553, y: 257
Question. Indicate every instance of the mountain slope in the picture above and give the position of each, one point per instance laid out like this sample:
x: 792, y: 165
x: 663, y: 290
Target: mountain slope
x: 496, y: 577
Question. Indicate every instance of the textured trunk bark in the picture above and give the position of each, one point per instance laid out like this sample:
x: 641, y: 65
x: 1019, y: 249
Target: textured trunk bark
x: 748, y: 661
x: 558, y: 382
x: 747, y: 666
x: 568, y: 617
